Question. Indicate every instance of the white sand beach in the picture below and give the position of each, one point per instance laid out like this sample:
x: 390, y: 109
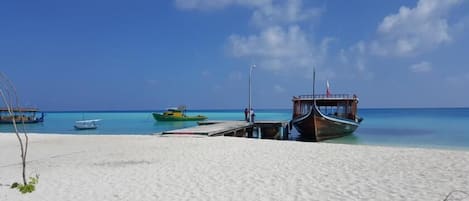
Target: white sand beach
x: 129, y: 167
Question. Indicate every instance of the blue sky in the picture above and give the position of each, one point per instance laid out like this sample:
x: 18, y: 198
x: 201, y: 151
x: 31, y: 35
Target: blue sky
x: 137, y: 55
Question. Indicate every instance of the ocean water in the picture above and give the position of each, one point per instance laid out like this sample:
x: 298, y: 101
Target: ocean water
x: 446, y: 128
x: 129, y: 122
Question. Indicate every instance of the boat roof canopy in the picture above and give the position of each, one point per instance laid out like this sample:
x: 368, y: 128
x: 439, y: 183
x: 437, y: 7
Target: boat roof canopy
x: 88, y: 121
x: 179, y: 108
x: 20, y: 109
x: 326, y: 97
x: 327, y: 100
x: 172, y: 109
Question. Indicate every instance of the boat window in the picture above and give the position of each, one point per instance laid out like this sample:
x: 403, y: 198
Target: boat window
x: 327, y: 110
x: 343, y: 109
x: 305, y: 107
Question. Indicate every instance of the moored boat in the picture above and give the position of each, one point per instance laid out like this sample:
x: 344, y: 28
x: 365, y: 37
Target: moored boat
x: 86, y: 124
x: 177, y: 114
x: 20, y: 115
x: 322, y: 117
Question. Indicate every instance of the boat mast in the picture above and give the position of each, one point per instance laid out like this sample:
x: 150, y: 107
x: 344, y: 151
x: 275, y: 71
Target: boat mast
x: 314, y: 104
x: 314, y: 81
x: 250, y: 99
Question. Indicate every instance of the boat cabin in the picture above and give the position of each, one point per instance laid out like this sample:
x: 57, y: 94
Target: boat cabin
x: 177, y: 114
x: 26, y: 115
x: 174, y: 112
x: 343, y: 106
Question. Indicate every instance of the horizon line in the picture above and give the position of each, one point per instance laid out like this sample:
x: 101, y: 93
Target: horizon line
x: 240, y: 109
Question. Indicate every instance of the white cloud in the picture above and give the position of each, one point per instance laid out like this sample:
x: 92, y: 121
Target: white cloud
x: 235, y: 76
x: 355, y: 56
x: 216, y: 4
x: 461, y: 26
x: 343, y: 57
x: 281, y: 43
x: 206, y: 73
x: 203, y: 4
x: 359, y: 50
x: 265, y: 12
x: 421, y: 67
x: 291, y: 11
x: 355, y: 60
x: 279, y: 89
x: 415, y: 30
x: 462, y: 79
x: 151, y: 82
x: 360, y: 64
x: 216, y: 87
x: 277, y: 48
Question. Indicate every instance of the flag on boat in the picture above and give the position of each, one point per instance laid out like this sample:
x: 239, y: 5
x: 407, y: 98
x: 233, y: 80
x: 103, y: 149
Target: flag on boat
x: 328, y: 91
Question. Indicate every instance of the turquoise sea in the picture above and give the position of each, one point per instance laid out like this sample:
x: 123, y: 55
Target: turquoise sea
x: 435, y: 128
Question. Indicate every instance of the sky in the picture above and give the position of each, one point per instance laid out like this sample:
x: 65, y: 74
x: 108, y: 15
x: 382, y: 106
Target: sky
x: 149, y: 55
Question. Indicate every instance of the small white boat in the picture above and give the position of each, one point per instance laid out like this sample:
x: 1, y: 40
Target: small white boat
x: 87, y: 124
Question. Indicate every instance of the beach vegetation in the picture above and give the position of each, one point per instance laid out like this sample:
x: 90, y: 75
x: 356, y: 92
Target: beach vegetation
x: 11, y: 101
x: 27, y: 188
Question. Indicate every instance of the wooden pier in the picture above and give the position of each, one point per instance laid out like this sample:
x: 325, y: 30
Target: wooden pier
x: 260, y: 129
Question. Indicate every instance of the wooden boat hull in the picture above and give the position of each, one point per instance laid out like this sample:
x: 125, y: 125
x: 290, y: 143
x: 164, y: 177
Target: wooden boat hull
x: 160, y: 117
x: 315, y: 126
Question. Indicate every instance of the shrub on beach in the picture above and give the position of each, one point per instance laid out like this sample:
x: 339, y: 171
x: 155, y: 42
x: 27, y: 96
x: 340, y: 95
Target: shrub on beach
x: 27, y: 188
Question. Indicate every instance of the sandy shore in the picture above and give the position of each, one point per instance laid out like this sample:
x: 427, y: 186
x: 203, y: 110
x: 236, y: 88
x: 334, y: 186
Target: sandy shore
x: 226, y: 168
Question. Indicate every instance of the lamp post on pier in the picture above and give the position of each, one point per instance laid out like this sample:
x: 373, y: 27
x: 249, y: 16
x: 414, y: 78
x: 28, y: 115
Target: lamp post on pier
x: 250, y: 81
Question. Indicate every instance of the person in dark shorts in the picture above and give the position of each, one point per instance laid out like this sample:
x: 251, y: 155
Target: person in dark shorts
x: 246, y: 113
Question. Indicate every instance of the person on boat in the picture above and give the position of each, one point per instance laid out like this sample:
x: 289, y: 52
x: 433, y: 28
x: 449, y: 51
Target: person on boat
x: 252, y: 115
x: 246, y: 113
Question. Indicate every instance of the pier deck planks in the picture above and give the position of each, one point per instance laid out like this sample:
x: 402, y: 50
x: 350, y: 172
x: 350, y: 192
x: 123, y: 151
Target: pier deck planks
x: 212, y: 128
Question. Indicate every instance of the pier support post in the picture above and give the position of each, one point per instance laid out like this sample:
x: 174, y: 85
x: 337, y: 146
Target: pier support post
x: 259, y: 133
x: 281, y: 132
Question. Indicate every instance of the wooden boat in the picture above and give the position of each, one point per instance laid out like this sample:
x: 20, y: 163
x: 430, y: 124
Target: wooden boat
x: 322, y: 117
x: 177, y: 114
x: 86, y: 124
x: 20, y: 115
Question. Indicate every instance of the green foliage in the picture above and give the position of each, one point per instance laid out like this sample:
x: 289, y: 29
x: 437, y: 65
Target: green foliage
x: 27, y: 188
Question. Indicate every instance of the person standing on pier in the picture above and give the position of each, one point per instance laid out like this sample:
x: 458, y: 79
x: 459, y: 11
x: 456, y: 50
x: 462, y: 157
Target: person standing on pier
x: 246, y: 114
x: 252, y: 115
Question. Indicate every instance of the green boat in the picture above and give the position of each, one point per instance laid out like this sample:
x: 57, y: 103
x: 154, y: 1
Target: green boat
x: 177, y: 114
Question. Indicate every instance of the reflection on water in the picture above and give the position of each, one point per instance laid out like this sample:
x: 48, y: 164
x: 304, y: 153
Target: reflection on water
x: 295, y: 135
x: 349, y: 139
x: 175, y: 124
x: 394, y: 131
x: 304, y: 138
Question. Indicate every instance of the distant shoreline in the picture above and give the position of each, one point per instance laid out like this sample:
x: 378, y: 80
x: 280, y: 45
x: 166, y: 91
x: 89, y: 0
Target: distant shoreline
x: 241, y: 109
